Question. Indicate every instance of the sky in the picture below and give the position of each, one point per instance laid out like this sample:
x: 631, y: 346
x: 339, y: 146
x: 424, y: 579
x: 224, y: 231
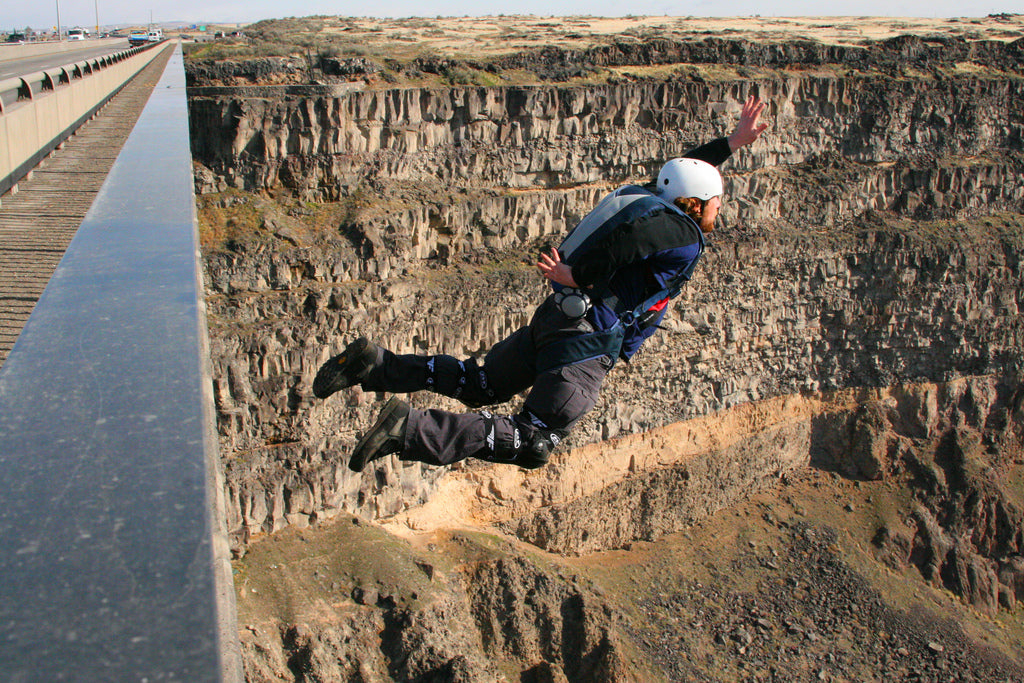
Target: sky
x: 43, y: 14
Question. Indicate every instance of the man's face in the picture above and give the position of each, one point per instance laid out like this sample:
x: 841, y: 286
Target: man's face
x: 710, y: 213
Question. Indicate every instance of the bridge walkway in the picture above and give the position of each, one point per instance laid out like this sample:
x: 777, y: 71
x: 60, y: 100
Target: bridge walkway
x: 38, y: 222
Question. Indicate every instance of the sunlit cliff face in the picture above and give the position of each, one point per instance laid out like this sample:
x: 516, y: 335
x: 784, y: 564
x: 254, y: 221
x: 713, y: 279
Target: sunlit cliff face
x: 862, y: 200
x: 852, y: 332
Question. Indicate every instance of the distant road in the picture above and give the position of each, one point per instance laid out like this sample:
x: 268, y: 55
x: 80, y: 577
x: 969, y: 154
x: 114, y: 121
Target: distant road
x: 15, y: 67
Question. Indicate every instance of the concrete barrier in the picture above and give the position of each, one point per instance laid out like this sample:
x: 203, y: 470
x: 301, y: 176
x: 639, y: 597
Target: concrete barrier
x: 114, y: 564
x: 51, y: 104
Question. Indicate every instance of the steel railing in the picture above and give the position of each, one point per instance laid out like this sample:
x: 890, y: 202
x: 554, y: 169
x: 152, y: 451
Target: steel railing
x: 40, y: 110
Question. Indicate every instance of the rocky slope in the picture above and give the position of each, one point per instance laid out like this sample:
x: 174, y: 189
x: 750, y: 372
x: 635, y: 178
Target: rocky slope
x: 763, y: 591
x: 859, y: 313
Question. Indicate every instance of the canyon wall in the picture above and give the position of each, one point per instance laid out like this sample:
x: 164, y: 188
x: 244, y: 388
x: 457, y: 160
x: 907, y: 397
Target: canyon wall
x: 322, y: 146
x: 869, y: 243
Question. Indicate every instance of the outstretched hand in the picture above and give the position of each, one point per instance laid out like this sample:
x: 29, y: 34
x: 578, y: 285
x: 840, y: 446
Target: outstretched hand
x: 748, y: 129
x: 552, y: 267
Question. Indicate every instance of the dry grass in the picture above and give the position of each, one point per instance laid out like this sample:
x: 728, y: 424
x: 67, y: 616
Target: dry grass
x: 488, y: 38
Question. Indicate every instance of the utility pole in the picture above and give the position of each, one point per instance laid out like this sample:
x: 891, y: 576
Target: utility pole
x: 96, y: 6
x: 58, y: 20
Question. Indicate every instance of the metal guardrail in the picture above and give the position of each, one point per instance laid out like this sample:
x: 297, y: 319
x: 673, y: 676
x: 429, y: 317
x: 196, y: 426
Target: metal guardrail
x: 10, y: 52
x: 114, y: 563
x: 40, y: 110
x: 29, y: 86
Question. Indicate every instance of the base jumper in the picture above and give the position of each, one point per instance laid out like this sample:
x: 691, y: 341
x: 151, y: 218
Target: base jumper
x: 612, y: 279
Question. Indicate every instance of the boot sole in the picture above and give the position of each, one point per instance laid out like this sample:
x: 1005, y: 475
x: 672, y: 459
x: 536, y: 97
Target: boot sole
x: 358, y: 460
x: 331, y: 377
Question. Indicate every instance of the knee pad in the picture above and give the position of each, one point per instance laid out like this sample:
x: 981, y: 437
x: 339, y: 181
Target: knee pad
x: 526, y: 447
x: 464, y: 381
x: 541, y: 442
x: 538, y: 450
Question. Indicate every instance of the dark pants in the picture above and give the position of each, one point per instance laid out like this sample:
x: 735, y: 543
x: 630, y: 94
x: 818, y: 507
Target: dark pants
x: 558, y: 399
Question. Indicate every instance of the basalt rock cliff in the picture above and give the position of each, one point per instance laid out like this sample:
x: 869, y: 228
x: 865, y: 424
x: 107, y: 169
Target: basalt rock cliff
x: 858, y: 312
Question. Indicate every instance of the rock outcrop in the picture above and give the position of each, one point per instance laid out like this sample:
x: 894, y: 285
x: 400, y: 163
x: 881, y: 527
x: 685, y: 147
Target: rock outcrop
x: 497, y: 612
x: 324, y: 147
x: 556, y: 63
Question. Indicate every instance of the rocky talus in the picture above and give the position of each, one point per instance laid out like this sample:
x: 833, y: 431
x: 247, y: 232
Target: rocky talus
x: 858, y: 312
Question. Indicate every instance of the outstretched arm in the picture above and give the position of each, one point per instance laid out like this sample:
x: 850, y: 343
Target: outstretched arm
x: 749, y: 127
x: 747, y: 130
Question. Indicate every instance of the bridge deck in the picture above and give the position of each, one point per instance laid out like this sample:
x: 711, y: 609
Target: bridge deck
x: 38, y: 222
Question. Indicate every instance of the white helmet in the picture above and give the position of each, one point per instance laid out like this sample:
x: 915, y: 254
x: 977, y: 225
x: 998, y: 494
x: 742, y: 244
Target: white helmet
x: 689, y: 178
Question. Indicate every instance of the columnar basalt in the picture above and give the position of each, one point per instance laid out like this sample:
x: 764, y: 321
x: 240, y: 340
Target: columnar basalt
x: 871, y: 242
x: 321, y: 146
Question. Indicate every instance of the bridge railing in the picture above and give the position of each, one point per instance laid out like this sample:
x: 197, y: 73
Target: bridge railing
x: 114, y: 563
x: 11, y: 52
x: 40, y: 110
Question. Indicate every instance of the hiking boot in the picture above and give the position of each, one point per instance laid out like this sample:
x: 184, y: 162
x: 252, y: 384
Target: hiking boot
x: 385, y: 437
x: 349, y: 367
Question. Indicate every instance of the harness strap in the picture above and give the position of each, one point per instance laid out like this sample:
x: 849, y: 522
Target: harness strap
x: 490, y: 433
x: 582, y: 347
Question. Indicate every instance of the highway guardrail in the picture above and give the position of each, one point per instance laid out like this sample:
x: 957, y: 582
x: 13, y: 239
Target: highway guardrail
x: 9, y: 52
x: 41, y: 110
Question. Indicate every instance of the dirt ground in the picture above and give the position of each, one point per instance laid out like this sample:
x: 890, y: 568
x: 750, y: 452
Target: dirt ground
x: 787, y: 585
x: 481, y: 36
x: 489, y: 38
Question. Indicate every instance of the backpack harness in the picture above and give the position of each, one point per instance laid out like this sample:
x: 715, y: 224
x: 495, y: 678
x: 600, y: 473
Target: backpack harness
x: 622, y: 206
